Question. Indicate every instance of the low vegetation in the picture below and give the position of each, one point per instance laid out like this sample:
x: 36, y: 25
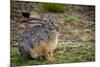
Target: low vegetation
x: 63, y: 54
x: 72, y: 19
x: 52, y: 7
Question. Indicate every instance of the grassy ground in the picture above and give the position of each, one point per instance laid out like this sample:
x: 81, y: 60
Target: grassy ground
x: 63, y: 54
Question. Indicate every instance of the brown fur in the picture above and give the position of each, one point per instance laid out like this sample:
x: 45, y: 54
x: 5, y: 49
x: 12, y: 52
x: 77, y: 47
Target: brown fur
x: 42, y: 49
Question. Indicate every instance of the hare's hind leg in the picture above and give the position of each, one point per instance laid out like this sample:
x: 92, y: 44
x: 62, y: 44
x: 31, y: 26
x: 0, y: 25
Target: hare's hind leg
x: 47, y: 53
x: 49, y: 56
x: 42, y: 49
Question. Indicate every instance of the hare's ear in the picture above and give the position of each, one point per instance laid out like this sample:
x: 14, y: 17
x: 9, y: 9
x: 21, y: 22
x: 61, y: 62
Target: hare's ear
x: 25, y: 14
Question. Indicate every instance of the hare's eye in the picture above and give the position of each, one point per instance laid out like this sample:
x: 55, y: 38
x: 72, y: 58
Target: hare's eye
x: 51, y: 23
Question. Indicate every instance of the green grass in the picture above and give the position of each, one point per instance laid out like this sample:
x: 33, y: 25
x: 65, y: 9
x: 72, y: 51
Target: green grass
x: 53, y: 7
x: 63, y: 54
x: 72, y: 19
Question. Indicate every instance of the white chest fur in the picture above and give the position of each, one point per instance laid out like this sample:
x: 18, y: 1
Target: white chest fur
x: 54, y: 41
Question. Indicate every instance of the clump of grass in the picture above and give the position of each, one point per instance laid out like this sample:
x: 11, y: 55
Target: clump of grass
x: 52, y: 7
x: 72, y: 19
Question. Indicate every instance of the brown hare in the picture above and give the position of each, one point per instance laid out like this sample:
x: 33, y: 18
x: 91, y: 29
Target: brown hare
x: 40, y: 40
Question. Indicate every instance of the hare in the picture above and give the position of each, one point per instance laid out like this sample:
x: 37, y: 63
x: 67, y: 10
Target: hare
x: 40, y: 40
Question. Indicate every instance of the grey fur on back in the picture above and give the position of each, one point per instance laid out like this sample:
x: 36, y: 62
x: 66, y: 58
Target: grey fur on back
x: 41, y: 30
